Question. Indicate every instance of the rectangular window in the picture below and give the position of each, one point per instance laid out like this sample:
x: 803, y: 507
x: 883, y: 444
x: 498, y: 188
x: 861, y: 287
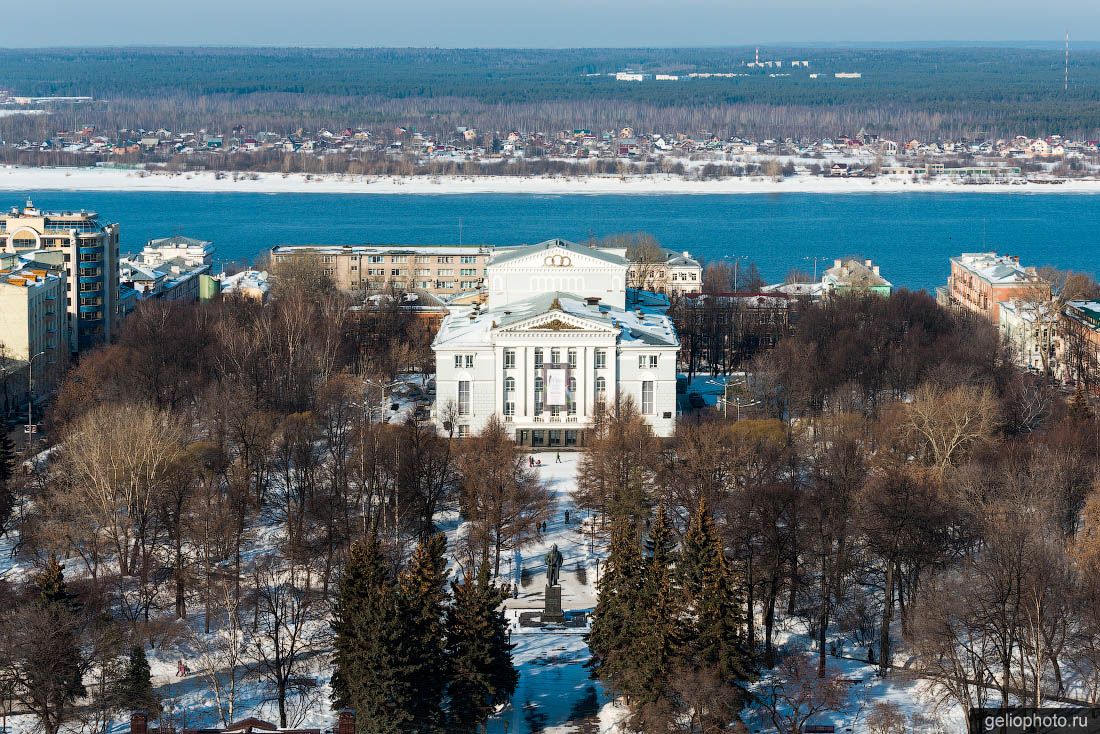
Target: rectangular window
x: 653, y: 361
x: 464, y: 431
x: 601, y: 359
x: 468, y: 259
x: 396, y: 271
x: 642, y: 361
x: 445, y: 271
x: 423, y: 271
x: 555, y: 356
x: 538, y: 358
x: 555, y: 438
x: 376, y: 259
x: 647, y: 361
x: 469, y: 361
x: 538, y: 438
x: 570, y: 438
x: 467, y: 272
x: 464, y: 397
x: 458, y: 361
x: 572, y: 354
x: 399, y: 259
x: 444, y: 259
x: 509, y: 359
x: 423, y: 259
x: 509, y: 409
x: 647, y: 397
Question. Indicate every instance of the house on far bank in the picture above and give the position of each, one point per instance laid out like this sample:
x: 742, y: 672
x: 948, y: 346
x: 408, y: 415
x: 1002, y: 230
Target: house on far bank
x: 849, y: 275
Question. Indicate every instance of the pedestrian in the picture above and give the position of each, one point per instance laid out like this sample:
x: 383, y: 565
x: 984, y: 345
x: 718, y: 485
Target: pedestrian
x: 180, y: 668
x: 530, y: 461
x: 567, y: 517
x: 557, y: 459
x: 870, y: 655
x: 538, y: 462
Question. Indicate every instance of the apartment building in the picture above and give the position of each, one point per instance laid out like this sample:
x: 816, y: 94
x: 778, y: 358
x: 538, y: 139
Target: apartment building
x: 981, y: 281
x: 32, y: 334
x: 82, y: 247
x: 677, y: 274
x: 1079, y: 347
x: 437, y: 269
x: 170, y: 268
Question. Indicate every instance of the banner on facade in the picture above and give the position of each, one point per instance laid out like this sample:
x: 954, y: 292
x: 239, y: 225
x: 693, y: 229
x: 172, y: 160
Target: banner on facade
x: 555, y: 387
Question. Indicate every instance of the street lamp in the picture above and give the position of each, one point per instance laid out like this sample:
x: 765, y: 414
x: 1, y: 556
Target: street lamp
x: 383, y: 388
x: 30, y: 398
x: 815, y: 258
x: 736, y: 262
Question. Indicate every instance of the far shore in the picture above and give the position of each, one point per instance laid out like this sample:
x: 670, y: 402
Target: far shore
x: 21, y: 179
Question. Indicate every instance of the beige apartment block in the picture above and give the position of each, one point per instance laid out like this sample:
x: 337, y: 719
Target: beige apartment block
x: 32, y: 318
x: 86, y: 250
x: 437, y: 269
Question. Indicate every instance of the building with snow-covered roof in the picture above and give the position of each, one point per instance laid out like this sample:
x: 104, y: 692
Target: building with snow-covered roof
x: 553, y: 340
x: 849, y: 275
x: 980, y: 281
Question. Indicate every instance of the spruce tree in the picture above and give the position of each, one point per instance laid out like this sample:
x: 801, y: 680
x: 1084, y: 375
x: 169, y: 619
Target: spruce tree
x: 424, y: 602
x: 615, y: 618
x: 656, y: 631
x: 134, y: 691
x: 61, y: 669
x: 7, y: 471
x: 482, y: 675
x: 716, y: 618
x: 371, y: 644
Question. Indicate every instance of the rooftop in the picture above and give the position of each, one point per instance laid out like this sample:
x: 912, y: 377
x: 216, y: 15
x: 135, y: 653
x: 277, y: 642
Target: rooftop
x: 475, y: 326
x: 996, y: 269
x: 514, y: 253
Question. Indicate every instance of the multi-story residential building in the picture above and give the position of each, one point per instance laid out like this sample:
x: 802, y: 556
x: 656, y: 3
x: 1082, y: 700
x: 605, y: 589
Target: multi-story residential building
x: 32, y: 330
x: 849, y: 275
x: 676, y: 274
x: 437, y: 269
x: 1079, y: 347
x: 86, y: 250
x: 1031, y: 331
x: 550, y: 345
x: 981, y: 281
x: 169, y: 269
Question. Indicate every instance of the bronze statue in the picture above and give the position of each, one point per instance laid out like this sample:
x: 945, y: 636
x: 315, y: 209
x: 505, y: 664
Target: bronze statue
x: 554, y: 560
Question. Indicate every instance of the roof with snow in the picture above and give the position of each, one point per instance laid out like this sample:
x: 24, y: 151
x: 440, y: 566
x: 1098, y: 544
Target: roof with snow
x: 504, y: 256
x: 476, y: 327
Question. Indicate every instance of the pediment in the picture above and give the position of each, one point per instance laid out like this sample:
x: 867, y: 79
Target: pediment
x: 555, y: 258
x: 558, y: 321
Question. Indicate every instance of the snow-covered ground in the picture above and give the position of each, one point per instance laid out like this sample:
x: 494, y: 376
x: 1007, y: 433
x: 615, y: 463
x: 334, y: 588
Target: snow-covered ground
x: 555, y: 693
x: 15, y: 178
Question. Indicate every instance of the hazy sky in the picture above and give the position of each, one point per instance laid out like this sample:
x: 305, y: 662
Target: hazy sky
x: 548, y: 23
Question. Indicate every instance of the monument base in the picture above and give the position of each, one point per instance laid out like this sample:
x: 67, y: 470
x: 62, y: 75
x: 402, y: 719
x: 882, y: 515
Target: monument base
x: 552, y: 612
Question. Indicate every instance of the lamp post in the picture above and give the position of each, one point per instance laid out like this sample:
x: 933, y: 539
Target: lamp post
x: 30, y: 400
x: 382, y: 400
x: 815, y: 258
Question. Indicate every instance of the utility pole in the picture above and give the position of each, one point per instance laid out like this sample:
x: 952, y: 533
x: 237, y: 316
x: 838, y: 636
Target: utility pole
x: 30, y: 401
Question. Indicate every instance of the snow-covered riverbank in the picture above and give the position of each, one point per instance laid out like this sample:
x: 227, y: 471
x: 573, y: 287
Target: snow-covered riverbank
x: 20, y: 179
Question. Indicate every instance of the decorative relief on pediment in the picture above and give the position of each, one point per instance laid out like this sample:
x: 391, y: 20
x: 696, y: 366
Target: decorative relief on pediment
x: 556, y: 325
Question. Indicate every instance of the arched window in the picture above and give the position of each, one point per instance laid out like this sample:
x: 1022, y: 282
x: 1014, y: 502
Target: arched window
x: 509, y: 384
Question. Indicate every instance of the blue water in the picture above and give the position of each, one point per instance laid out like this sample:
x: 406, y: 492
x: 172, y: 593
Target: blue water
x: 910, y: 235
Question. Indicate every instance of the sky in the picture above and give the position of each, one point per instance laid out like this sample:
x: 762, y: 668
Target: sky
x: 545, y: 23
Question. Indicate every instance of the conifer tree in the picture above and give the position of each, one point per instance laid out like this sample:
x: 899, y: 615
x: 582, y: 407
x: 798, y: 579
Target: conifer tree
x: 482, y: 675
x: 58, y: 673
x: 716, y: 616
x: 424, y: 597
x: 371, y: 644
x: 656, y: 630
x: 614, y: 620
x: 7, y: 471
x: 134, y: 690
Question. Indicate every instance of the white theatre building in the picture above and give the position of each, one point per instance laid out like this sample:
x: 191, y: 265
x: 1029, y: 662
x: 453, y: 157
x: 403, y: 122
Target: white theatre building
x: 553, y: 339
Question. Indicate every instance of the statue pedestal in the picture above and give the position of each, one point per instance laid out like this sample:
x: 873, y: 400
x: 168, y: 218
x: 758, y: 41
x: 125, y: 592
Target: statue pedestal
x: 552, y: 613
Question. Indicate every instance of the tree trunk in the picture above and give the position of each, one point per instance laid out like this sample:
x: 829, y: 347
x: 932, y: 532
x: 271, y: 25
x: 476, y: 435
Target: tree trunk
x: 887, y: 620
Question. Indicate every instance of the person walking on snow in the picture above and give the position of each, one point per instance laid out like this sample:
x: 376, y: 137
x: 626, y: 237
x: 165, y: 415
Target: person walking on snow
x: 557, y: 459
